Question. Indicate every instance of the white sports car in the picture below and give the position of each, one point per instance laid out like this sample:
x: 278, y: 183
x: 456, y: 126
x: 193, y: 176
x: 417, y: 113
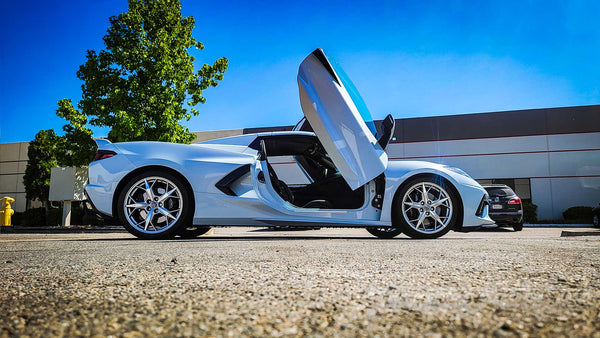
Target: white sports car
x: 160, y: 190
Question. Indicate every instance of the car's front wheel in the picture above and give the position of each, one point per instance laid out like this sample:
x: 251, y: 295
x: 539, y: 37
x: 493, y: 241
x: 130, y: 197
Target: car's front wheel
x: 518, y: 226
x: 596, y: 221
x: 426, y: 207
x: 155, y: 205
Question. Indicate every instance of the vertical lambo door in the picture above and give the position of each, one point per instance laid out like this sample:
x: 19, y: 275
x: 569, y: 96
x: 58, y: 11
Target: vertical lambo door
x: 337, y: 114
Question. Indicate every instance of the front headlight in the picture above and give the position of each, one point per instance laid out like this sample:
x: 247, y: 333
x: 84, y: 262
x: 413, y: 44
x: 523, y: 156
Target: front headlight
x: 458, y: 171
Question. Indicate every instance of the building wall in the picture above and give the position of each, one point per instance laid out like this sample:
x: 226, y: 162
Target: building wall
x: 563, y: 170
x: 13, y: 160
x: 214, y: 134
x: 550, y: 155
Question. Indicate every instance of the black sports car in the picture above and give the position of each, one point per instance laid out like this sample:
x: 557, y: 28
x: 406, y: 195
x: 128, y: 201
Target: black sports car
x: 505, y: 206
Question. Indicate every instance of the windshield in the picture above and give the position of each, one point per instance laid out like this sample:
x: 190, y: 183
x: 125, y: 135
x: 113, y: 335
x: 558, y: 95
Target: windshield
x: 355, y: 95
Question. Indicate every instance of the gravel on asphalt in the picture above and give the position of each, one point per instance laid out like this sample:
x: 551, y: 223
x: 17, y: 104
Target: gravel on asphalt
x: 319, y: 283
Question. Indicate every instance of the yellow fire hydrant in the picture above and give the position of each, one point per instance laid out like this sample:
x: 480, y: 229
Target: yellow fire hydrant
x: 7, y: 211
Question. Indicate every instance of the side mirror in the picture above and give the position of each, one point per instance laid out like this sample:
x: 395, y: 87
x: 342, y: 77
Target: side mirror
x: 387, y: 131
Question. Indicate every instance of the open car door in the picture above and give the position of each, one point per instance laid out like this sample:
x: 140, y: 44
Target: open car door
x: 337, y: 114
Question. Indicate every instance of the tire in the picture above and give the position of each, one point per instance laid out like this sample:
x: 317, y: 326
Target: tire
x: 410, y: 212
x: 155, y: 205
x: 518, y: 226
x: 193, y: 231
x: 596, y: 221
x: 384, y: 233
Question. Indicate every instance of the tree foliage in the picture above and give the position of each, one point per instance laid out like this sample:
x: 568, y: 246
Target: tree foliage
x: 41, y: 153
x: 143, y: 84
x: 76, y: 147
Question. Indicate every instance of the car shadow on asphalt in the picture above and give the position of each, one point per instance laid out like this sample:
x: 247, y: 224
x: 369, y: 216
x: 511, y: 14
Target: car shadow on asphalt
x: 261, y: 239
x: 494, y: 230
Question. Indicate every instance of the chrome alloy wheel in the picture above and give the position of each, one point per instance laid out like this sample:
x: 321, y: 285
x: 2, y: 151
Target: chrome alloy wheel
x: 427, y: 207
x: 153, y: 204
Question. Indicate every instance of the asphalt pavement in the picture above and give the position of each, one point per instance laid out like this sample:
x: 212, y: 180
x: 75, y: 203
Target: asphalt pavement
x: 342, y: 282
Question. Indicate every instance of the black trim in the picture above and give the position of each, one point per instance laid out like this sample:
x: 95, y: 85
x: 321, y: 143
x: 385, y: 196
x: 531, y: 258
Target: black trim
x: 255, y: 144
x: 469, y: 229
x: 323, y: 224
x: 482, y: 204
x: 226, y: 181
x: 94, y: 211
x: 320, y: 55
x: 377, y: 201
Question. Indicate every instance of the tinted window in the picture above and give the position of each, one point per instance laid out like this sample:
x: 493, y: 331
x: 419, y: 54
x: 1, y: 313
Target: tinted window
x: 355, y: 95
x: 499, y: 191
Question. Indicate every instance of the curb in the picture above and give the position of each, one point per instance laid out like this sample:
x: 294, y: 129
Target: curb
x: 566, y: 233
x: 556, y: 225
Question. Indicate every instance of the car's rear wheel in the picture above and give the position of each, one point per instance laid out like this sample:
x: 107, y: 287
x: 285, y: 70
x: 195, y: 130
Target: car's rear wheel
x: 426, y: 207
x: 155, y: 205
x: 385, y: 233
x: 193, y: 231
x: 596, y: 221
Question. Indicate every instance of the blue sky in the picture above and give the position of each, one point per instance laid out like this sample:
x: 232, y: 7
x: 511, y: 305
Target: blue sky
x: 408, y: 58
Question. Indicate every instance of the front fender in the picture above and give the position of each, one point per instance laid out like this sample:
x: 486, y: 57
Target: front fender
x: 469, y: 191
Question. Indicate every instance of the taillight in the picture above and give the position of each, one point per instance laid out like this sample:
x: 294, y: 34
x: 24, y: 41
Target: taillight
x: 515, y: 200
x: 102, y: 154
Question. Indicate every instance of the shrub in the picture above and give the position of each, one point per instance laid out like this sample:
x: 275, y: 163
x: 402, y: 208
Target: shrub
x: 54, y: 217
x: 17, y: 218
x: 77, y: 213
x: 529, y: 212
x: 34, y: 217
x: 90, y: 220
x: 579, y: 214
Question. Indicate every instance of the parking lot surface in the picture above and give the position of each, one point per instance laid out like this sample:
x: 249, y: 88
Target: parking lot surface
x: 343, y: 282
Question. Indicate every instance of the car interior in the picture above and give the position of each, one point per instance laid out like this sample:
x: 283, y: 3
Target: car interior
x: 328, y: 189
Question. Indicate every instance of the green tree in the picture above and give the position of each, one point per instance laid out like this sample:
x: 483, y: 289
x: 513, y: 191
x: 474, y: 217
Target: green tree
x: 76, y: 147
x: 42, y: 158
x: 143, y: 84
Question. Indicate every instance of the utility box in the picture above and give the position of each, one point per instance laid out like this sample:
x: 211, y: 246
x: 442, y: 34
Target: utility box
x: 66, y: 183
